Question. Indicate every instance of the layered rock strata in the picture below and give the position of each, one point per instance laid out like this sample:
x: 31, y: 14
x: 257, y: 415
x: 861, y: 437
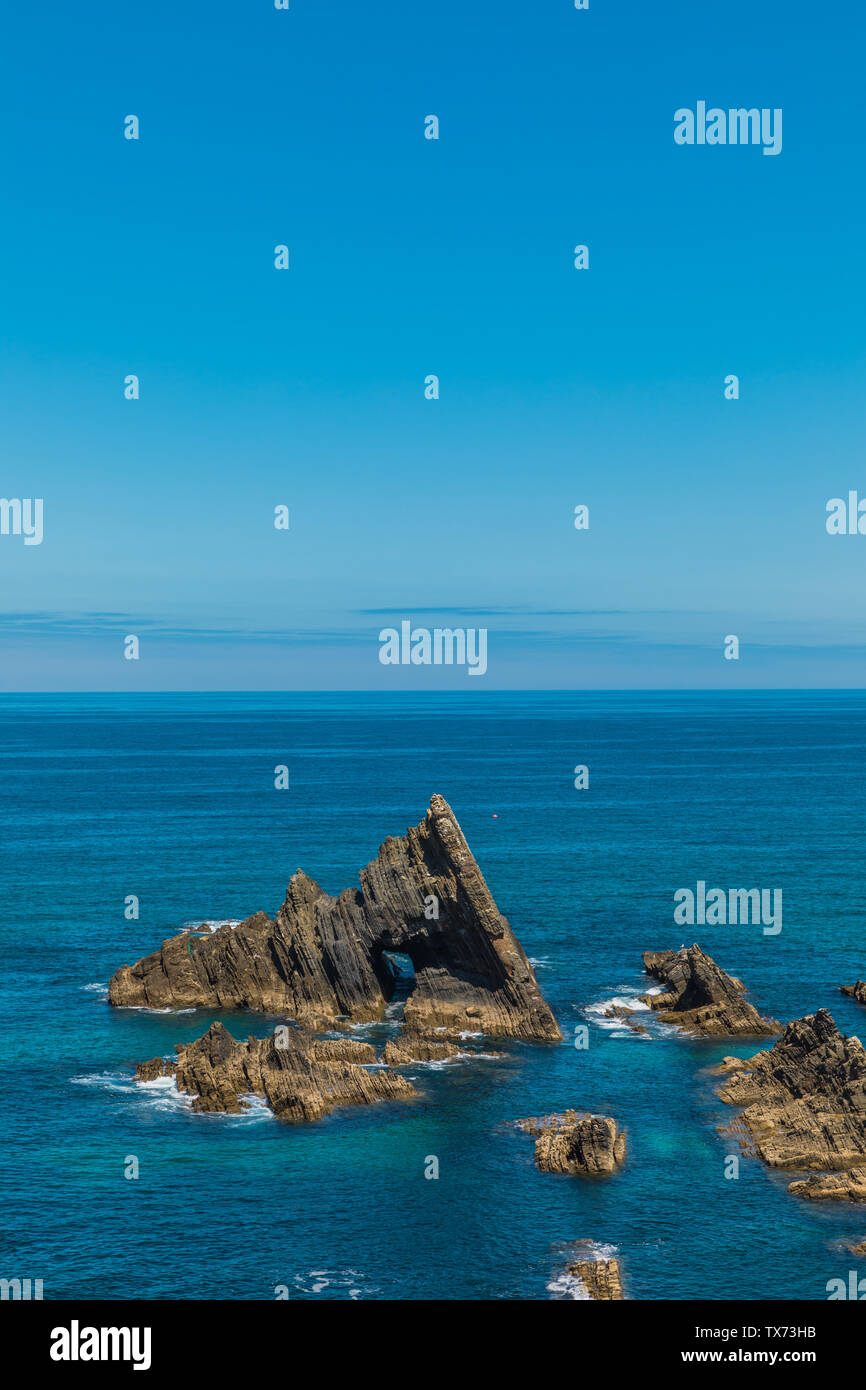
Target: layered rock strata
x: 300, y: 1076
x: 856, y: 991
x: 602, y: 1279
x: 805, y: 1107
x: 572, y: 1142
x: 700, y: 998
x: 324, y: 959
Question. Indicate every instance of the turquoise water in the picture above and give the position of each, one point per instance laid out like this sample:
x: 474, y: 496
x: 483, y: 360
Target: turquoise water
x: 171, y: 798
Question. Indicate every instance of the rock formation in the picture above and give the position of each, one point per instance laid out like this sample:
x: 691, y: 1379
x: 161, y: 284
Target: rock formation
x: 857, y: 991
x: 324, y: 959
x: 700, y: 998
x: 602, y: 1279
x: 805, y: 1106
x: 832, y: 1187
x: 416, y: 1047
x: 300, y: 1076
x: 572, y: 1142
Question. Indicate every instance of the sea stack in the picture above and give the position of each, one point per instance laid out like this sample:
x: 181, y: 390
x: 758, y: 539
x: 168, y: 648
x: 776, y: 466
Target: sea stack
x: 700, y: 998
x: 322, y: 959
x: 805, y: 1107
x: 571, y: 1142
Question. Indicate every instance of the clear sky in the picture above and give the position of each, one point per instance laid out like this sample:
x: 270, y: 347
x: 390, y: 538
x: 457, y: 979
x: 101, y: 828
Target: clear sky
x: 410, y: 257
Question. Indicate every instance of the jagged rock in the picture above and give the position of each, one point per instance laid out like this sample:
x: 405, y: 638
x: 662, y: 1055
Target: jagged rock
x: 300, y: 1076
x: 573, y: 1142
x: 414, y: 1047
x: 700, y: 998
x: 805, y: 1106
x: 602, y: 1279
x: 832, y: 1187
x: 857, y: 991
x: 323, y: 959
x: 156, y: 1067
x: 859, y: 1249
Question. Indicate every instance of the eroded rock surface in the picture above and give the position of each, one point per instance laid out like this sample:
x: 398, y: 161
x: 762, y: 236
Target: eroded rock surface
x: 857, y: 991
x: 805, y: 1106
x: 300, y: 1076
x: 573, y: 1142
x: 415, y: 1047
x: 700, y: 998
x: 323, y: 959
x: 602, y: 1279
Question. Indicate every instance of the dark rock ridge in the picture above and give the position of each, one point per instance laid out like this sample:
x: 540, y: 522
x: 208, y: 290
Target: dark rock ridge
x: 300, y: 1076
x: 700, y: 998
x: 857, y: 991
x: 572, y: 1142
x: 323, y: 959
x: 805, y: 1107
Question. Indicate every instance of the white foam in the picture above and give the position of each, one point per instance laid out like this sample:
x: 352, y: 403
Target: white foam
x: 211, y: 924
x: 568, y: 1286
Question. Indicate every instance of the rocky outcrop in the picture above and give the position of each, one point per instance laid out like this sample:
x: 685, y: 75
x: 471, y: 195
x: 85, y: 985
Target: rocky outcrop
x: 857, y: 991
x: 805, y: 1106
x: 832, y: 1187
x: 415, y: 1047
x: 700, y: 998
x: 572, y: 1142
x: 601, y: 1279
x: 324, y: 959
x: 300, y: 1076
x: 858, y: 1249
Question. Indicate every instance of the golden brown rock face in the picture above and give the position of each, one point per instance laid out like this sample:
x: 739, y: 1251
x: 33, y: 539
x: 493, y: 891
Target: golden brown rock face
x: 700, y: 998
x: 414, y: 1047
x: 602, y: 1279
x: 857, y: 991
x: 323, y: 959
x: 805, y: 1106
x: 300, y: 1076
x: 572, y: 1142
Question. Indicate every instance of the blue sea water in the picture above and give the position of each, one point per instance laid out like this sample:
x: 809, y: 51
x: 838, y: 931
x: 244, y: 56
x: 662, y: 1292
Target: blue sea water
x: 171, y: 798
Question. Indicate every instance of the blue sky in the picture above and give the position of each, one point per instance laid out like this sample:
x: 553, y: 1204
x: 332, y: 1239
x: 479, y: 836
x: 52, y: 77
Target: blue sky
x: 411, y: 257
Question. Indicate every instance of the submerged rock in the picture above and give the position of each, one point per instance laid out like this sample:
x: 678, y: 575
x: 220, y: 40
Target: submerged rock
x: 805, y: 1106
x: 300, y: 1076
x: 700, y: 998
x: 323, y: 959
x: 573, y: 1142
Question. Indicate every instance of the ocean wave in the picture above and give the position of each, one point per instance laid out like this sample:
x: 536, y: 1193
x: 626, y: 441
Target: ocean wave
x: 339, y: 1283
x: 211, y: 923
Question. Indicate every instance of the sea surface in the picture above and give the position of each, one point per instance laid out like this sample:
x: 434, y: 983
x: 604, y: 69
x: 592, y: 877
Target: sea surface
x: 171, y: 798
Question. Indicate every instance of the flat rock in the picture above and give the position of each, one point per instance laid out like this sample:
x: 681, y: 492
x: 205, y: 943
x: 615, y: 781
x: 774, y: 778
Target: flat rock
x: 805, y: 1106
x: 300, y: 1076
x: 576, y: 1142
x: 701, y: 998
x: 323, y: 959
x: 415, y: 1047
x: 833, y: 1187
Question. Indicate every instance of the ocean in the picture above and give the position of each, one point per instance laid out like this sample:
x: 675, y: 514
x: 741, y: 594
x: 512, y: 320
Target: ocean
x: 171, y: 798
